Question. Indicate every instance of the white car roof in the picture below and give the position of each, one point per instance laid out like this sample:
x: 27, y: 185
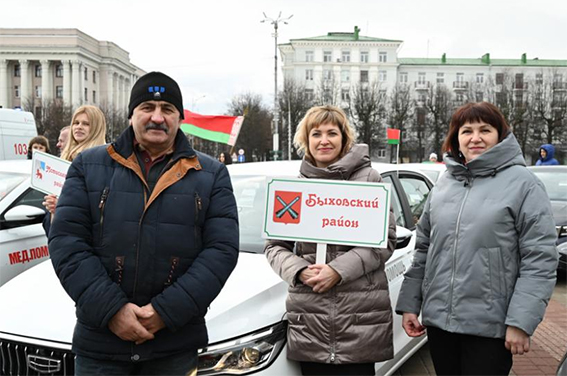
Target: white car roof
x: 22, y: 166
x: 291, y: 168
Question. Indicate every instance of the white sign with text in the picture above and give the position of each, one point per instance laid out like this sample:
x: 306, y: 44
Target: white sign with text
x: 48, y: 172
x: 327, y: 211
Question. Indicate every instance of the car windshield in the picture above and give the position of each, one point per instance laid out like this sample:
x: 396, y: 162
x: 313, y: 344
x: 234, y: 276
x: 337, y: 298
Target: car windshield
x: 9, y: 181
x: 555, y: 184
x: 250, y: 193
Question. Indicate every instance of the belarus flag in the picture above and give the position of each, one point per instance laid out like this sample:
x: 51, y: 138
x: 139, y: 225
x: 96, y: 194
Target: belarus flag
x: 393, y: 136
x: 218, y: 128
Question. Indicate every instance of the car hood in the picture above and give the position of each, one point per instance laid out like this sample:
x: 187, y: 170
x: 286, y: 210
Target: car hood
x: 559, y: 212
x: 34, y: 304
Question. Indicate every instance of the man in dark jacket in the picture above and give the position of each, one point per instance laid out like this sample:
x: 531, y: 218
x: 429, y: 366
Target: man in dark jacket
x: 145, y: 236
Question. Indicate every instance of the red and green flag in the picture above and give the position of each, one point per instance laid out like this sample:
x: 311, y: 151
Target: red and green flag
x: 218, y: 128
x: 393, y: 136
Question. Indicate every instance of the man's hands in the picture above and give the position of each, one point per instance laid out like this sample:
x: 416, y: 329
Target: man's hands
x: 136, y: 324
x: 320, y: 277
x: 517, y: 341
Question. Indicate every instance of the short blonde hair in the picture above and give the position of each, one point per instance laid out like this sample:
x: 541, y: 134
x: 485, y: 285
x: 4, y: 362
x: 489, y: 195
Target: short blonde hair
x: 317, y: 116
x: 96, y: 136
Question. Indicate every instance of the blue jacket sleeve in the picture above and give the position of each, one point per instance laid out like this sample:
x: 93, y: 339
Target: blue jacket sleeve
x: 80, y: 271
x: 192, y: 293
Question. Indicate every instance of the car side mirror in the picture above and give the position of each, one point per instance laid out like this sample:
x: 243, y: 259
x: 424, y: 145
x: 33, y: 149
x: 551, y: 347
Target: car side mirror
x: 403, y: 237
x: 24, y: 214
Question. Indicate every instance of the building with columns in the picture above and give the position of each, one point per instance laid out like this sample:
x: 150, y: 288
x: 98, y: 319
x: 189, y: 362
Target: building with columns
x: 40, y: 65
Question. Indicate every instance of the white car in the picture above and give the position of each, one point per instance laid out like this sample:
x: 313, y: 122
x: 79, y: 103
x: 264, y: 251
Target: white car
x: 432, y: 170
x: 22, y: 239
x: 246, y: 323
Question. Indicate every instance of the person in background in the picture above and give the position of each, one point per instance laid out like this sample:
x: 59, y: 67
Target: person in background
x: 546, y: 156
x: 63, y: 137
x: 145, y: 237
x: 225, y: 158
x: 40, y: 143
x: 323, y: 298
x: 485, y: 262
x: 87, y: 129
x: 432, y: 158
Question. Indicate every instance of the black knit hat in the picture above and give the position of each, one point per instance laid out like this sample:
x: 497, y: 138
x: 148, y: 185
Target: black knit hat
x: 155, y: 86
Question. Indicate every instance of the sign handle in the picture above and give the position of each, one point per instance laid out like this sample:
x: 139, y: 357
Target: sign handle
x: 321, y: 253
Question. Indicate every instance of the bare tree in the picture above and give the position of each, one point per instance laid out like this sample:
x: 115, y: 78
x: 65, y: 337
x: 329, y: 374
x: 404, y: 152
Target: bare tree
x: 550, y: 107
x: 294, y: 102
x: 116, y: 121
x: 401, y: 112
x: 50, y: 118
x: 367, y: 110
x: 328, y: 90
x: 255, y: 134
x: 439, y: 107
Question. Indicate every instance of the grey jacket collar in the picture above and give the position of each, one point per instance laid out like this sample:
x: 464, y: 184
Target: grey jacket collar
x: 505, y: 154
x: 356, y: 158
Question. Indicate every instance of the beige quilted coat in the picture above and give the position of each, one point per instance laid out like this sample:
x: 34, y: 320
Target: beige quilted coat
x: 352, y: 322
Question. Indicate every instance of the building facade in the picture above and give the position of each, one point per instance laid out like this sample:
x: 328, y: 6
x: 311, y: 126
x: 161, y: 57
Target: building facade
x: 333, y: 67
x: 40, y: 65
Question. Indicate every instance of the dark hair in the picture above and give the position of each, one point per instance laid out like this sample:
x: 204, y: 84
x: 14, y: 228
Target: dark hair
x: 473, y: 113
x: 41, y: 140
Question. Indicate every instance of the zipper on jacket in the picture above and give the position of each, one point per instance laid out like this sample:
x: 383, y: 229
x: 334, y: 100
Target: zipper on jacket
x: 455, y: 244
x: 198, y: 208
x: 101, y: 206
x: 174, y: 262
x: 119, y: 262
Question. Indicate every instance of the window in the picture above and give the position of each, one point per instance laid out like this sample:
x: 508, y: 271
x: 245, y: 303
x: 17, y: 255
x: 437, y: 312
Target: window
x: 499, y: 78
x: 364, y: 56
x: 382, y: 75
x: 396, y: 204
x: 308, y: 56
x: 459, y: 97
x: 86, y: 94
x: 479, y: 96
x: 382, y: 56
x: 58, y: 91
x: 17, y: 70
x: 94, y: 77
x: 345, y: 75
x: 30, y: 197
x: 309, y: 94
x: 519, y: 97
x: 421, y: 78
x: 539, y: 78
x: 86, y: 75
x: 363, y: 76
x: 558, y: 77
x: 309, y: 74
x: 327, y: 74
x: 404, y: 78
x: 38, y: 70
x: 345, y: 56
x: 537, y: 96
x: 519, y: 81
x: 345, y: 95
x: 440, y: 78
x: 59, y: 70
x: 422, y: 98
x: 480, y: 78
x: 382, y: 94
x: 500, y: 99
x: 460, y: 77
x: 94, y: 96
x: 17, y: 91
x: 327, y: 56
x: 416, y: 191
x: 38, y: 91
x: 421, y: 116
x: 381, y: 153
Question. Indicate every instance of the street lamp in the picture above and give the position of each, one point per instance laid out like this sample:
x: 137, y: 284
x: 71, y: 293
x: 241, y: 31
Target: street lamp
x: 276, y: 22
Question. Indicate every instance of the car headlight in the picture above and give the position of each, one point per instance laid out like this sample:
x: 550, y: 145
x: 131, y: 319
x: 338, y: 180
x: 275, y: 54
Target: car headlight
x: 245, y: 354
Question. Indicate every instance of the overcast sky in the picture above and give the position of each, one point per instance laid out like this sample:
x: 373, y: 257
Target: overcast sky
x: 218, y: 49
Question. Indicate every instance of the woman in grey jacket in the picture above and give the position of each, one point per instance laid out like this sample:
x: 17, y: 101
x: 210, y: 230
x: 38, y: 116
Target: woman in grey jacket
x: 485, y: 260
x: 339, y: 313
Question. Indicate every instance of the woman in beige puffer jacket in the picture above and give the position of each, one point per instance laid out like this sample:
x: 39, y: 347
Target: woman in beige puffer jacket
x: 339, y: 313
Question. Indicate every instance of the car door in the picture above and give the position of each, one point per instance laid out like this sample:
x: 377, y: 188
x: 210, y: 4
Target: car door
x: 409, y: 193
x: 22, y: 244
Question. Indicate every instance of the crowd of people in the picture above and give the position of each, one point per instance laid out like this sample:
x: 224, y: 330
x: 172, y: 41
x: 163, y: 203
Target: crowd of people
x: 145, y: 234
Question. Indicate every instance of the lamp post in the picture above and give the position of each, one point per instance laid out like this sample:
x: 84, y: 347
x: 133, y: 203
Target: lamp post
x: 276, y: 22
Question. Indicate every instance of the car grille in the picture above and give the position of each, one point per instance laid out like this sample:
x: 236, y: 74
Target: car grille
x: 24, y: 359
